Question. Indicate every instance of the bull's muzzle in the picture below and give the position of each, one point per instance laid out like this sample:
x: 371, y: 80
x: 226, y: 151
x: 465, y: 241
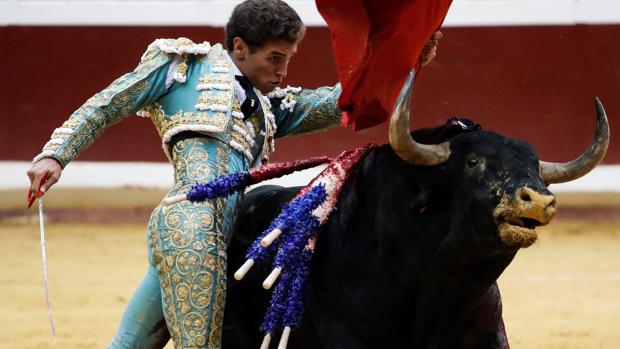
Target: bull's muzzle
x: 518, y: 216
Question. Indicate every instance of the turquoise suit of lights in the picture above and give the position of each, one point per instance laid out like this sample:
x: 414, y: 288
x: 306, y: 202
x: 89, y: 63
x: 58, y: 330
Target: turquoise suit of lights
x: 182, y: 86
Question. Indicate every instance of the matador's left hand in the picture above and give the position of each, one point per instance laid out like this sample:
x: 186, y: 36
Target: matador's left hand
x: 429, y: 51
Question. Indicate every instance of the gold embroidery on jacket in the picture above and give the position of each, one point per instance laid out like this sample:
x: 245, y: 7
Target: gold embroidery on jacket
x: 214, y: 97
x: 223, y: 158
x: 215, y: 78
x: 188, y: 121
x: 105, y: 108
x: 322, y: 115
x: 182, y: 69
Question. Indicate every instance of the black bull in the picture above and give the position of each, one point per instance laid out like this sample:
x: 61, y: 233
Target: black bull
x: 411, y: 255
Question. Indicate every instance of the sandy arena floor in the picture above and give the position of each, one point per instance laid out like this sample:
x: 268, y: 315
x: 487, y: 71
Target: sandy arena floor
x: 563, y: 292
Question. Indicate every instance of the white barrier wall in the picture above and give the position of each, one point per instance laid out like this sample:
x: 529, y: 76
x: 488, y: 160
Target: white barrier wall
x: 85, y: 174
x: 216, y: 12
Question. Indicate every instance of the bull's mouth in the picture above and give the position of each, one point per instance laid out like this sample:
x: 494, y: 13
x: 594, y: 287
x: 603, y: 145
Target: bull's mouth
x: 519, y: 215
x: 518, y: 232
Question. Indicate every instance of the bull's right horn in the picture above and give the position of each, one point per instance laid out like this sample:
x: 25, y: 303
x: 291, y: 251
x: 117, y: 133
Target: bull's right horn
x: 566, y: 172
x: 400, y: 138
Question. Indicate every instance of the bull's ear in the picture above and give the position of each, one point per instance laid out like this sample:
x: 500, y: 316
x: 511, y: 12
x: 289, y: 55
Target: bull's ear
x: 569, y: 171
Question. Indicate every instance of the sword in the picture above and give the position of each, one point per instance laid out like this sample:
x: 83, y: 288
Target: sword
x: 31, y: 199
x: 44, y: 258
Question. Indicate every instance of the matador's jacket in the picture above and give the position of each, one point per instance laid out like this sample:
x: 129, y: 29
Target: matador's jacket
x: 182, y: 86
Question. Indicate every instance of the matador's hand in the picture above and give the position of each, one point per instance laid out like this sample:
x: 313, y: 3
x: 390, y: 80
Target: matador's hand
x: 429, y: 51
x: 48, y: 168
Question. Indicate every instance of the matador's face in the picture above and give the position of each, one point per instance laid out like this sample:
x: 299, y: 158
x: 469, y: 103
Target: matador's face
x: 265, y: 66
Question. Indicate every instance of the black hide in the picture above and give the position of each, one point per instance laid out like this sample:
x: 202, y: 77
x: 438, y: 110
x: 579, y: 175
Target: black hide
x: 410, y: 257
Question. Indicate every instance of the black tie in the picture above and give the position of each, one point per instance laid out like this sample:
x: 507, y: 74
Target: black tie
x: 249, y: 106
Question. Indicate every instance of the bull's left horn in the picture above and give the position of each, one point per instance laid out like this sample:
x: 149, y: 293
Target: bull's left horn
x: 566, y: 172
x: 400, y: 138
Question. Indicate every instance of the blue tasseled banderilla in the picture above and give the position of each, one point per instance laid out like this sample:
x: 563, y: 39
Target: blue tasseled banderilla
x: 291, y: 214
x: 287, y: 307
x: 274, y: 318
x: 219, y: 187
x: 235, y: 182
x: 293, y: 246
x: 298, y: 225
x: 294, y: 307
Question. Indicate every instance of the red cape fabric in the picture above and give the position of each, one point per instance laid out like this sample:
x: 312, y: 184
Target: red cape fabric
x: 376, y: 43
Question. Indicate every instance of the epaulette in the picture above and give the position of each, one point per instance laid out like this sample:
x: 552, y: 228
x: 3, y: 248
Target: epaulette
x: 178, y: 46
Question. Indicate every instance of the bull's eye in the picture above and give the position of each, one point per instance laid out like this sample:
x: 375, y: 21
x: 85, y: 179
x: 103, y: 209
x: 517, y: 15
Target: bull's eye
x: 472, y: 163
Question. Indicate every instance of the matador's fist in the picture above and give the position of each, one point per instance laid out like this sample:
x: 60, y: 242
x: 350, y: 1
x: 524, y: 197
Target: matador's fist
x: 43, y: 174
x: 429, y: 51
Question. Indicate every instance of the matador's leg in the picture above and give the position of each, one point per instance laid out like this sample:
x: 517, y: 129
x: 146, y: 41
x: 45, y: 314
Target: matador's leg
x: 190, y: 258
x: 188, y: 249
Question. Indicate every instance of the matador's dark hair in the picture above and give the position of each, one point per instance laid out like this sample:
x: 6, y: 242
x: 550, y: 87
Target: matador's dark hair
x: 259, y: 22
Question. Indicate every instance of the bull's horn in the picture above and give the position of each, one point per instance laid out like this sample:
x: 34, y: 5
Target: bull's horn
x: 400, y: 138
x: 568, y: 171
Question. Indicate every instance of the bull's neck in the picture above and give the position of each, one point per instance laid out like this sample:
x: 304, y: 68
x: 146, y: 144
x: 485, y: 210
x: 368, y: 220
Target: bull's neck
x: 419, y: 247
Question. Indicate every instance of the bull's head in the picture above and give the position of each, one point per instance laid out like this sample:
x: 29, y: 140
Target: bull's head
x: 519, y: 186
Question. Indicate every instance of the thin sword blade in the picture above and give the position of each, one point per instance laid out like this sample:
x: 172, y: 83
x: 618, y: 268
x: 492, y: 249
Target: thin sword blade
x: 44, y: 258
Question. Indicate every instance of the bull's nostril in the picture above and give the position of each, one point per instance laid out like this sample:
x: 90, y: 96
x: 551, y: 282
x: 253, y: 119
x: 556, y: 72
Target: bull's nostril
x: 525, y: 196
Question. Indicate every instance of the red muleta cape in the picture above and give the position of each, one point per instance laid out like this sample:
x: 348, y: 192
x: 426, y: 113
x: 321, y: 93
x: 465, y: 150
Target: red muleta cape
x: 376, y: 43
